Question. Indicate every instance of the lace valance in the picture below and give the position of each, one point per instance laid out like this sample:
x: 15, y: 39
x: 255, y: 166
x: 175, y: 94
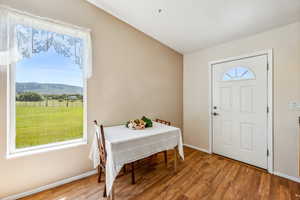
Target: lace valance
x: 23, y: 35
x: 32, y: 41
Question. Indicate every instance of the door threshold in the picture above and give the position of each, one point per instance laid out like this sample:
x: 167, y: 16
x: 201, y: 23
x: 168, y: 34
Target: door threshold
x: 242, y: 163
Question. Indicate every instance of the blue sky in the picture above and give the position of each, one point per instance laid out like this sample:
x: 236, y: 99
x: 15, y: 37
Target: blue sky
x: 49, y: 67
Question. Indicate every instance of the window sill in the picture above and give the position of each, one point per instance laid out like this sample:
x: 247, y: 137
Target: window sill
x: 45, y: 148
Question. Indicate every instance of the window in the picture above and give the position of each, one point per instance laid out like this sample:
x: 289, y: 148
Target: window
x: 238, y: 73
x: 47, y: 72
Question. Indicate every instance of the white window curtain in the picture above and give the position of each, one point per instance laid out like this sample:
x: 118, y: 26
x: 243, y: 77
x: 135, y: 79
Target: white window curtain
x: 22, y: 35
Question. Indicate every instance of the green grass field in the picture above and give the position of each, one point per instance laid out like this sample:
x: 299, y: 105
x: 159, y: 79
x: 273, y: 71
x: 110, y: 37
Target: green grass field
x: 38, y: 125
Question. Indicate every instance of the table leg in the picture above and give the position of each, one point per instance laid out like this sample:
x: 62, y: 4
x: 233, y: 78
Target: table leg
x: 166, y: 158
x: 112, y: 194
x: 175, y: 160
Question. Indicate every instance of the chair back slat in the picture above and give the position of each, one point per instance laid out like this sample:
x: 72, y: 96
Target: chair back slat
x: 101, y: 143
x: 163, y: 122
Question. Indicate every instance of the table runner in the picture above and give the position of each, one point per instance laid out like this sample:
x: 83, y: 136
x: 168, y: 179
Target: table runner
x: 124, y: 146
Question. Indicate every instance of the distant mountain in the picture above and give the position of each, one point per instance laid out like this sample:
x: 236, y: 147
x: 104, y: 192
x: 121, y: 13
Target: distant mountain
x: 48, y: 88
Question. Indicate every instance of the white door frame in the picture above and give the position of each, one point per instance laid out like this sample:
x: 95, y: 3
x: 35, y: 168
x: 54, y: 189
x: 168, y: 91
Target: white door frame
x: 269, y: 54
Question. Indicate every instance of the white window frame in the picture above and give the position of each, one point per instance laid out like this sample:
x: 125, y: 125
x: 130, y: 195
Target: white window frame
x: 12, y: 151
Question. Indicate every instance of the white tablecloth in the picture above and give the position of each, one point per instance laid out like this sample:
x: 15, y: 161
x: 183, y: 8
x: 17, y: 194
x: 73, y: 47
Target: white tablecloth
x: 124, y: 146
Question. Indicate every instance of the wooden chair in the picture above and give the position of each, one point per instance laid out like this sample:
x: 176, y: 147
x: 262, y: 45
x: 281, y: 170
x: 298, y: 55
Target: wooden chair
x: 165, y: 152
x: 102, y: 155
x: 163, y: 122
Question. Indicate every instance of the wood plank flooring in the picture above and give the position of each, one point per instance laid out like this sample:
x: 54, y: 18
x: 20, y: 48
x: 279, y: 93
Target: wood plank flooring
x: 200, y: 176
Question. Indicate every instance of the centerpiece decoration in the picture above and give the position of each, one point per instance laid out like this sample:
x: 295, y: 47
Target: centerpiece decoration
x: 139, y: 124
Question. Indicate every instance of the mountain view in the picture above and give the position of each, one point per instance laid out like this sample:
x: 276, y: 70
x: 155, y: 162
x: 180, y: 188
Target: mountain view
x: 48, y: 88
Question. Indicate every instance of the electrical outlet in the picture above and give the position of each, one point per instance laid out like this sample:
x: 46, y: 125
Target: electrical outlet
x: 294, y: 105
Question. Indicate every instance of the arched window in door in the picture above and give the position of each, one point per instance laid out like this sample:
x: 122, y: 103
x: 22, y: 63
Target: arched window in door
x: 238, y: 73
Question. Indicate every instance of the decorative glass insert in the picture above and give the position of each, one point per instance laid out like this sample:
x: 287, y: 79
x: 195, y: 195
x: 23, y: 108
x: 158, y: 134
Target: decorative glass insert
x: 238, y: 73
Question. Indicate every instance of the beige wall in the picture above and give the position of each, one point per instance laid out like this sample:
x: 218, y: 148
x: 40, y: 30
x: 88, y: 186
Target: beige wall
x: 133, y: 75
x: 285, y: 42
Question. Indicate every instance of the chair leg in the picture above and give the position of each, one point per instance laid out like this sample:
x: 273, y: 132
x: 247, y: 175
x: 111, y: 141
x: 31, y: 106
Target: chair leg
x: 153, y: 159
x: 104, y: 191
x: 99, y: 173
x: 124, y: 169
x: 166, y: 158
x: 132, y: 173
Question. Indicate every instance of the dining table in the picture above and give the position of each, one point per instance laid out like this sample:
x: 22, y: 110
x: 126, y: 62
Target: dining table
x: 124, y: 145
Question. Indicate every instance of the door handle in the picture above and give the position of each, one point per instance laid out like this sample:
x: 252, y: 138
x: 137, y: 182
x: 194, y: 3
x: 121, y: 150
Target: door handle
x: 215, y: 114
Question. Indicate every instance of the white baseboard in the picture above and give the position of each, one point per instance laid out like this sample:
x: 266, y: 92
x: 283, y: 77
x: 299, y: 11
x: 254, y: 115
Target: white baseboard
x: 293, y: 178
x: 197, y: 148
x: 49, y: 186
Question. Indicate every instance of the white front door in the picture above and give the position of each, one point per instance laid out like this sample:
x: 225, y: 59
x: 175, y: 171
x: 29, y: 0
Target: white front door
x: 239, y: 110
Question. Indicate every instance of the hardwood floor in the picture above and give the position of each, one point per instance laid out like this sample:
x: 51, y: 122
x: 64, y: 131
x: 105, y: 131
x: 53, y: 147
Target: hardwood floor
x: 200, y: 176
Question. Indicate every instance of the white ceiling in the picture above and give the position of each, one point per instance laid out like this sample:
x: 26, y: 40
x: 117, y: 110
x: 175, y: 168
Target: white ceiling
x: 189, y: 25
